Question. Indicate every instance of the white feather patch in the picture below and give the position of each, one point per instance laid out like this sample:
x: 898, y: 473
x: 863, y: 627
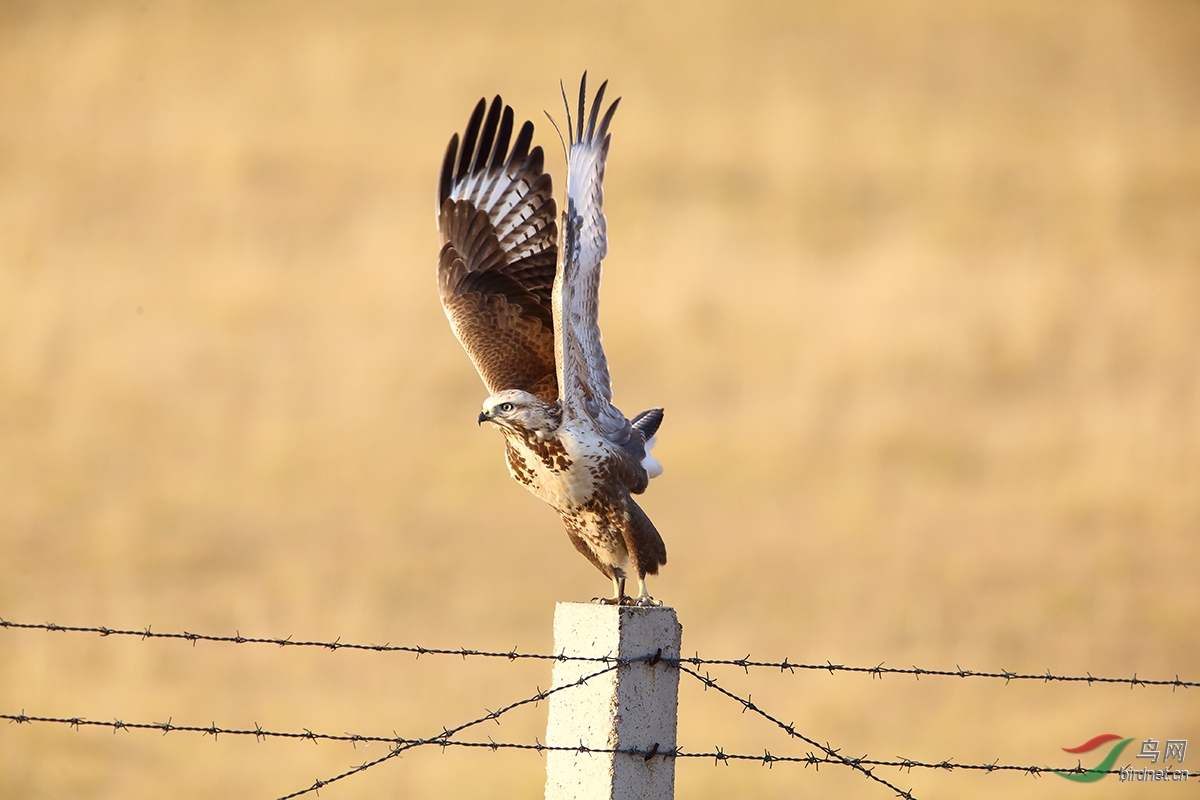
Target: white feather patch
x: 650, y: 463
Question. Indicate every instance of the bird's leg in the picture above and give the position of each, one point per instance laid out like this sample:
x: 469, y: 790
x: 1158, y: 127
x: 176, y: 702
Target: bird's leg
x: 618, y: 597
x: 619, y: 589
x: 644, y: 598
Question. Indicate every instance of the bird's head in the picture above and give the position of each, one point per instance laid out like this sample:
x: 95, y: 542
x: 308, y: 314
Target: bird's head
x: 519, y: 410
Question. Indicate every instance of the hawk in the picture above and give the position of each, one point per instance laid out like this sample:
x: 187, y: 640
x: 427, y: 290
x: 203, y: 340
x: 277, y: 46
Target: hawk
x: 524, y: 306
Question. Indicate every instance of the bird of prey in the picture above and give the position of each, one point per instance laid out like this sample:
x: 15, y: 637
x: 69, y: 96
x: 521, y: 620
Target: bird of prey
x: 524, y: 306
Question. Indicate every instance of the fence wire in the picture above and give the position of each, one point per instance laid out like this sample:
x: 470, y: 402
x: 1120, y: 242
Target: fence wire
x: 694, y: 661
x: 337, y: 644
x: 718, y: 755
x: 824, y: 753
x: 449, y: 732
x: 958, y: 672
x: 790, y: 729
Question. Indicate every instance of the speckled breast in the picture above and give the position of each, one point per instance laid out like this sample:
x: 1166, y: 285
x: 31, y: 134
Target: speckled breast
x: 555, y: 470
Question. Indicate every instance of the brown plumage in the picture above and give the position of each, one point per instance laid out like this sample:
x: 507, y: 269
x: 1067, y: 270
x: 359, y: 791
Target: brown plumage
x: 528, y: 320
x: 499, y: 254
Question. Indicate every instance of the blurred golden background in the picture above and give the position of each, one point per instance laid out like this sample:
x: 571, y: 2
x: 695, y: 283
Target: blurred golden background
x: 917, y: 283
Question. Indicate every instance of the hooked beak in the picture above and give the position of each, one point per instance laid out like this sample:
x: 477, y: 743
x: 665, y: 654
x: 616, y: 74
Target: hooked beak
x: 483, y: 417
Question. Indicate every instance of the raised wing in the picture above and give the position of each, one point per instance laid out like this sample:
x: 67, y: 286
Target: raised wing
x: 584, y: 384
x: 496, y: 215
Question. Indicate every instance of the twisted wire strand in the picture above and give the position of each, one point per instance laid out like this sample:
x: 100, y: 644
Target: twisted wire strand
x: 958, y: 672
x: 336, y: 644
x: 718, y: 754
x: 830, y: 752
x: 449, y: 732
x: 695, y: 661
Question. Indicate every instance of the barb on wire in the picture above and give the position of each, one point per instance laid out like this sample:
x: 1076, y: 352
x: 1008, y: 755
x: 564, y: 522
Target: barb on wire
x: 214, y: 730
x: 718, y: 755
x: 337, y: 644
x: 880, y: 670
x: 831, y: 753
x: 745, y: 663
x: 446, y: 733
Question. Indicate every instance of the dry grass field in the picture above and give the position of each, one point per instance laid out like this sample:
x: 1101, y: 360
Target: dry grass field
x: 918, y: 284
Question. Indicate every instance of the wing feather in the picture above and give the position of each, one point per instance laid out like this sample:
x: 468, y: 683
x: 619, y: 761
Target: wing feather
x: 584, y: 383
x: 497, y: 219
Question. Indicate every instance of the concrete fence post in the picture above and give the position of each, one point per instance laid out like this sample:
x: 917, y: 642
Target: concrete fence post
x: 629, y: 708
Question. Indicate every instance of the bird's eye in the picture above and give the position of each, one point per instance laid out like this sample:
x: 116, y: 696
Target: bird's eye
x: 505, y: 408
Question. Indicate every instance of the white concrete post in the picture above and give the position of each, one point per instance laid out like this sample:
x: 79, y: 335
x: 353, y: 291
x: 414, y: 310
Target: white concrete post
x: 632, y: 707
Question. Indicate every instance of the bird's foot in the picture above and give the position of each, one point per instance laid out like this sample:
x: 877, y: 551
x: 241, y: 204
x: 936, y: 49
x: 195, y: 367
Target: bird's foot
x: 619, y: 597
x: 623, y: 600
x: 644, y: 600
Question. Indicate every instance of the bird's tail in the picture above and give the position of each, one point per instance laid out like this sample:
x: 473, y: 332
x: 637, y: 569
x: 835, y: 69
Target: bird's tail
x: 648, y: 421
x: 646, y: 548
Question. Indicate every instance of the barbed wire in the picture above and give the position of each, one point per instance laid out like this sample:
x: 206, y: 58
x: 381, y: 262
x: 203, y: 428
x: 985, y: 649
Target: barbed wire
x: 337, y: 644
x: 790, y: 729
x: 695, y: 661
x: 448, y: 732
x: 958, y: 672
x: 718, y: 754
x: 398, y: 744
x: 863, y: 763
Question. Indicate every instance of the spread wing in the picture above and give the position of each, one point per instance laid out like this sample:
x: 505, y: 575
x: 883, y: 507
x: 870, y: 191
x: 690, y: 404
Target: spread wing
x: 584, y: 384
x: 496, y: 216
